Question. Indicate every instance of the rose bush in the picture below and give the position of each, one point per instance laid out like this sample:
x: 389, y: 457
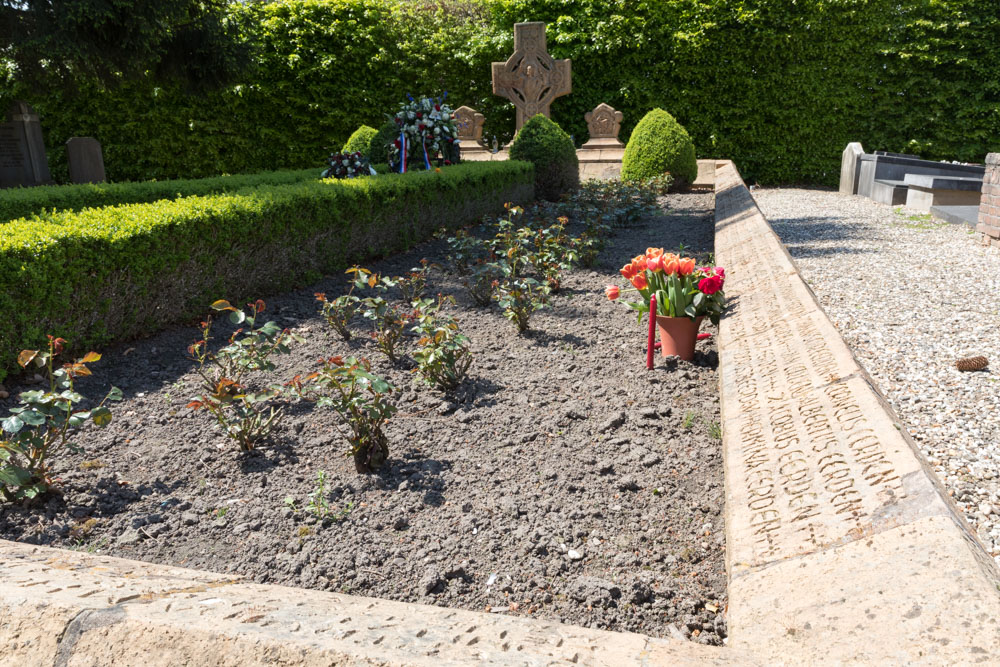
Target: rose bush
x: 682, y: 289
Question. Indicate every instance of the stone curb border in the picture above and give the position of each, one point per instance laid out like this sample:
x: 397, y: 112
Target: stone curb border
x: 64, y: 608
x: 841, y: 546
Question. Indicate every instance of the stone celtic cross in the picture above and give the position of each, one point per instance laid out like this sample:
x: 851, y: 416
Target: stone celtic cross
x: 531, y: 78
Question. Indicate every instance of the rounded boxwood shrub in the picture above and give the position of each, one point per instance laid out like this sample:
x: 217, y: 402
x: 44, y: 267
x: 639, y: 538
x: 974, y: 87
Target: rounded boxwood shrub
x: 545, y: 145
x: 659, y: 144
x: 361, y: 141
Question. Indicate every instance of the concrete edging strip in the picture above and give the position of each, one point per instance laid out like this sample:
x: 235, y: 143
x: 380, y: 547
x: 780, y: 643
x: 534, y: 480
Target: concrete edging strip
x: 841, y: 545
x: 66, y: 608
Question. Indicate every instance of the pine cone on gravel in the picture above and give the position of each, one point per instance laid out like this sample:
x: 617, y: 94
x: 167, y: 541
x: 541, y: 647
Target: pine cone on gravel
x: 971, y: 364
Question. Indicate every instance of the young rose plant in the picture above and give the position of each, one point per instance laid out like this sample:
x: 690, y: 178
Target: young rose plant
x: 520, y: 298
x: 443, y: 355
x: 412, y: 285
x: 389, y: 319
x: 682, y: 289
x: 338, y: 313
x: 554, y: 252
x: 479, y: 283
x: 360, y: 398
x: 43, y: 423
x: 243, y: 414
x: 465, y: 250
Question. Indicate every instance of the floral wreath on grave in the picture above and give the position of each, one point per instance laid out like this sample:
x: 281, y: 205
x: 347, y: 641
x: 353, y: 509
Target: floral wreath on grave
x: 347, y: 165
x: 428, y: 135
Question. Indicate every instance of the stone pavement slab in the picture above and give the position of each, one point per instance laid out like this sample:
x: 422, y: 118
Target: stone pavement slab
x: 841, y: 544
x: 66, y: 608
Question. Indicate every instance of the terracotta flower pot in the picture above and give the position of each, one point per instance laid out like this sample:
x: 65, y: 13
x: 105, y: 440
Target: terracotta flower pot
x: 678, y: 335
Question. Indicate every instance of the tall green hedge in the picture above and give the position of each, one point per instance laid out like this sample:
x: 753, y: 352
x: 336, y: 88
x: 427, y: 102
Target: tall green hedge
x: 781, y: 86
x: 112, y: 273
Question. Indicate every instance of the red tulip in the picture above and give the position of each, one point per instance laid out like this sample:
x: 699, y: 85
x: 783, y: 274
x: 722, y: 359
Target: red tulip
x: 612, y: 292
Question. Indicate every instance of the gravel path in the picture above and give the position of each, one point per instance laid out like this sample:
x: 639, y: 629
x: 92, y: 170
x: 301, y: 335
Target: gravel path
x: 911, y: 295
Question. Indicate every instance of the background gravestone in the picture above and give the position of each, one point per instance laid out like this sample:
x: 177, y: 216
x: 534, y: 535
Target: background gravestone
x: 22, y: 149
x: 850, y: 168
x: 86, y: 163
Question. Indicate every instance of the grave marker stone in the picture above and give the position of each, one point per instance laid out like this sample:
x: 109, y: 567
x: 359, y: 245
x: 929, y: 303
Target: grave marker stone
x: 601, y: 156
x: 849, y: 168
x: 603, y: 125
x: 86, y: 162
x: 22, y: 149
x: 531, y: 78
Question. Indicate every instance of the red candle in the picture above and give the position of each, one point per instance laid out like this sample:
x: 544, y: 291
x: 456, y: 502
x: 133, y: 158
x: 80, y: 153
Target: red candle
x: 652, y: 332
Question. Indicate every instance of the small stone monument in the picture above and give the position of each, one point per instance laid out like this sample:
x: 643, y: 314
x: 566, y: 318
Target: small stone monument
x: 470, y: 133
x: 850, y: 168
x: 531, y: 78
x: 86, y: 162
x: 22, y: 149
x: 603, y: 124
x: 601, y: 156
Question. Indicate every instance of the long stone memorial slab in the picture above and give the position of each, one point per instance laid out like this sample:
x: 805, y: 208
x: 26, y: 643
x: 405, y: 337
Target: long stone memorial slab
x: 840, y: 542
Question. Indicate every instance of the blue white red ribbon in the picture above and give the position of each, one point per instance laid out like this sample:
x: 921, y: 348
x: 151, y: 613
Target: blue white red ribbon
x: 427, y: 160
x: 402, y: 151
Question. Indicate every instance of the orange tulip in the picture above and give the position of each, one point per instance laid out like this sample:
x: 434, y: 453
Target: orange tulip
x: 639, y: 281
x: 628, y: 271
x: 655, y: 263
x: 669, y: 264
x: 612, y: 292
x: 685, y: 266
x: 639, y: 262
x: 654, y: 252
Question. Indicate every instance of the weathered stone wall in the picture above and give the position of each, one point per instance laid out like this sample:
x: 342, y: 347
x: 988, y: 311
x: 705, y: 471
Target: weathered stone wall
x: 989, y: 204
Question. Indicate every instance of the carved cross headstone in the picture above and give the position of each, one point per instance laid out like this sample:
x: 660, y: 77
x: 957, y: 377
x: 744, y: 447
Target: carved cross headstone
x: 531, y: 78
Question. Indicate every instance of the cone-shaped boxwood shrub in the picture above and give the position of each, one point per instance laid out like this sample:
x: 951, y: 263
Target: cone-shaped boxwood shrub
x: 550, y: 149
x: 380, y: 143
x: 659, y: 144
x: 361, y: 142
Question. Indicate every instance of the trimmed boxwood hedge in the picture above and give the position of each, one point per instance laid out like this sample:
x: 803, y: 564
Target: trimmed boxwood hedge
x: 545, y: 145
x: 45, y: 200
x: 659, y: 144
x: 100, y: 275
x: 361, y: 140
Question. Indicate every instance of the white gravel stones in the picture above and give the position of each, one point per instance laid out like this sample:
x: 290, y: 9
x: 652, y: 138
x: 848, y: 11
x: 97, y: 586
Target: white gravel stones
x: 911, y: 295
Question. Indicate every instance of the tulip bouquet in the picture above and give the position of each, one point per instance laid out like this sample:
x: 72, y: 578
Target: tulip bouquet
x: 347, y: 165
x: 682, y: 289
x: 426, y: 133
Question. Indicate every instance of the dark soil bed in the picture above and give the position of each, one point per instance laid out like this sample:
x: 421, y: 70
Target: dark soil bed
x: 562, y: 480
